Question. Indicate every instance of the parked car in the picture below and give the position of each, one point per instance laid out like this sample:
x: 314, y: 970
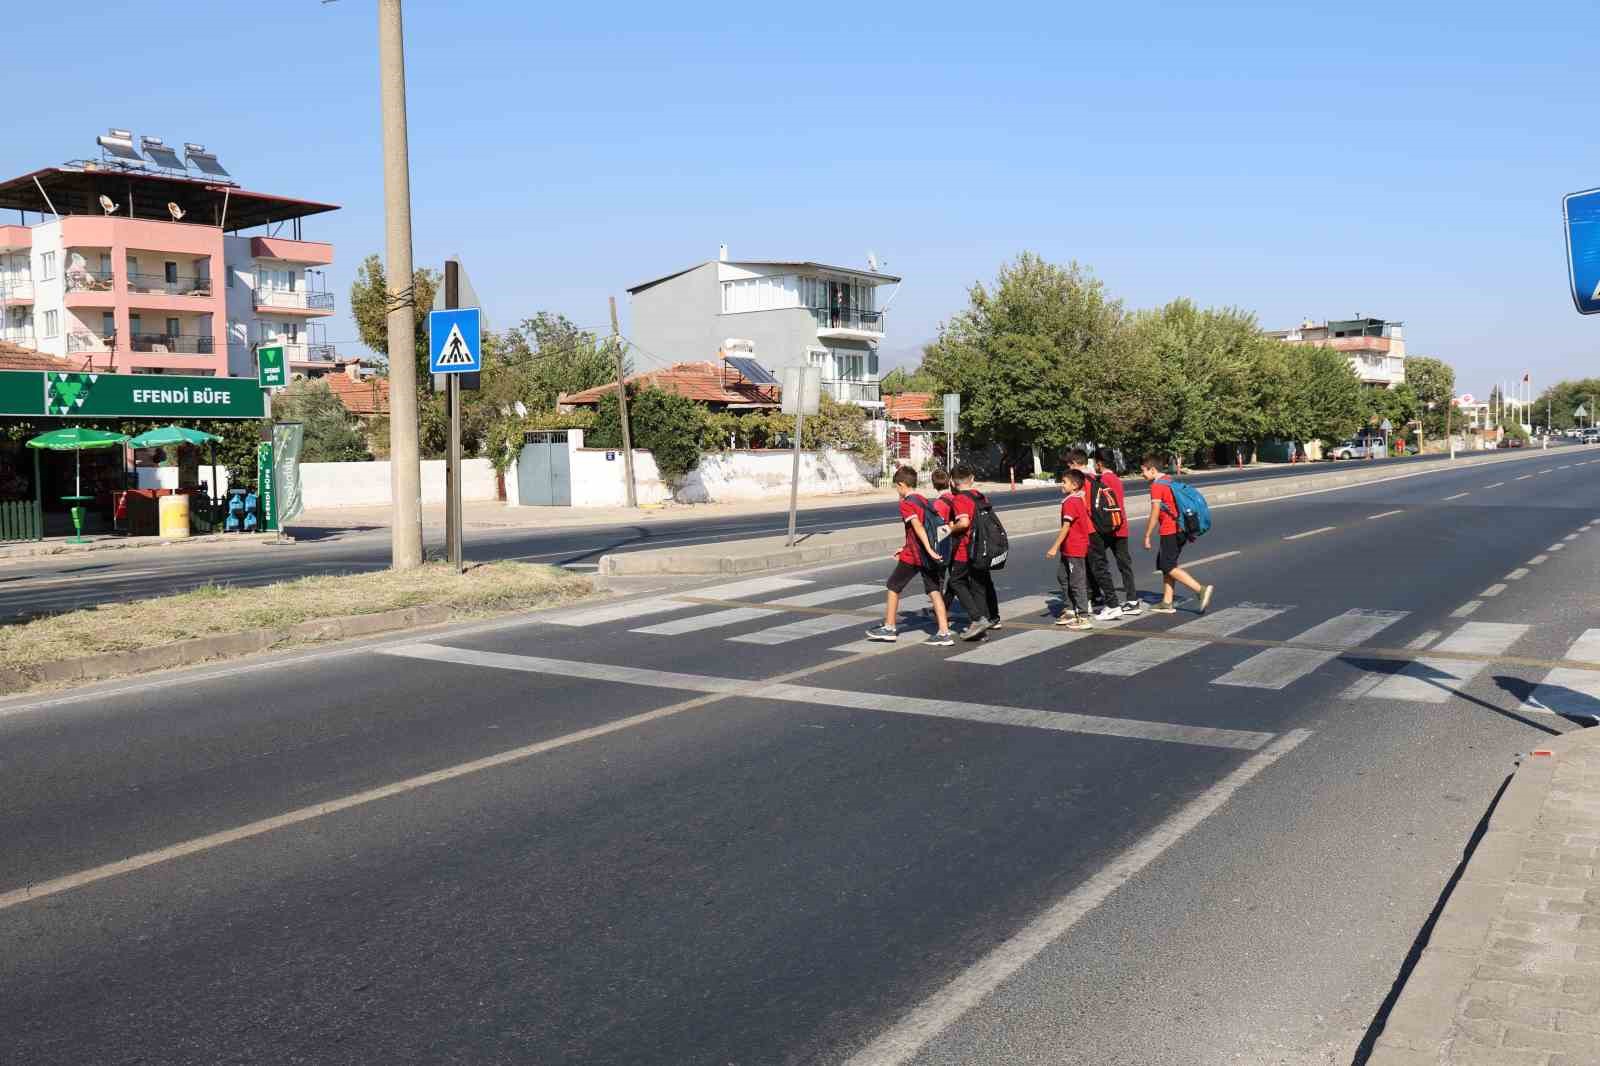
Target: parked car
x: 1591, y: 436
x: 1357, y: 448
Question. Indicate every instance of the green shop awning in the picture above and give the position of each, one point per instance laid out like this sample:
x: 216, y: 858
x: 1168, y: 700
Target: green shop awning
x: 58, y: 394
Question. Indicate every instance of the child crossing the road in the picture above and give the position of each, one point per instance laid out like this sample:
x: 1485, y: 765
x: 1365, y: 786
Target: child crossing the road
x: 914, y: 559
x: 1164, y: 518
x: 1105, y: 460
x: 1071, y: 550
x: 972, y: 585
x: 1102, y: 593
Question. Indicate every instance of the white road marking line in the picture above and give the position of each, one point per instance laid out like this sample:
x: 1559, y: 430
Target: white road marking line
x: 1568, y: 691
x: 1385, y: 514
x: 1538, y: 560
x: 1524, y: 477
x: 1277, y: 668
x: 735, y: 615
x: 1311, y: 532
x: 902, y: 1041
x: 1570, y: 537
x: 1435, y: 680
x: 1141, y: 655
x: 1457, y: 496
x: 999, y: 651
x: 622, y: 612
x: 1546, y: 470
x: 1187, y: 563
x: 1470, y: 607
x: 1493, y: 590
x: 1422, y: 640
x: 1496, y: 485
x: 789, y: 632
x: 1518, y: 574
x: 1054, y: 721
x: 1556, y: 548
x: 861, y: 647
x: 1361, y: 686
x: 1567, y: 466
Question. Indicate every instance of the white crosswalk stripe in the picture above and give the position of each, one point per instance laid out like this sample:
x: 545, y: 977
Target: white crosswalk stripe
x: 805, y: 627
x: 1141, y: 655
x: 735, y: 615
x: 1429, y: 680
x: 907, y: 636
x: 640, y: 608
x: 998, y: 651
x: 1277, y: 668
x: 1567, y: 690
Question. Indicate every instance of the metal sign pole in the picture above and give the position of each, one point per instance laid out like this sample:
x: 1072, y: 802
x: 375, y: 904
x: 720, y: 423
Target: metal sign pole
x: 452, y: 473
x: 794, y: 482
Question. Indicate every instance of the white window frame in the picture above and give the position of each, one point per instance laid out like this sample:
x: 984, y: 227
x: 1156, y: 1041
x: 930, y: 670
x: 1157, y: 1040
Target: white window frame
x: 52, y: 324
x: 47, y: 268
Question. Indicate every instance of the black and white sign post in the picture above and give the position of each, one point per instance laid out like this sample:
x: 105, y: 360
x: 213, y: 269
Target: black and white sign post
x: 802, y: 395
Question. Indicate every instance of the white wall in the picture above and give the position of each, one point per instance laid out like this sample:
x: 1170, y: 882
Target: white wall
x: 166, y: 477
x: 367, y: 484
x: 598, y: 481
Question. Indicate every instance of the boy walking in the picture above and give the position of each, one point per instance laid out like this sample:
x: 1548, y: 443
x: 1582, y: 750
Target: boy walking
x: 1102, y: 593
x: 973, y: 587
x: 912, y: 561
x: 1164, y: 518
x: 1072, y: 545
x: 1106, y: 461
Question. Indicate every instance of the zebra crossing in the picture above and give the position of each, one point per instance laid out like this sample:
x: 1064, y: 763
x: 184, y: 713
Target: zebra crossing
x: 1463, y: 653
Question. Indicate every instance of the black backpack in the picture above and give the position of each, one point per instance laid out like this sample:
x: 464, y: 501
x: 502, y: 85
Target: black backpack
x: 987, y: 548
x: 1105, y: 513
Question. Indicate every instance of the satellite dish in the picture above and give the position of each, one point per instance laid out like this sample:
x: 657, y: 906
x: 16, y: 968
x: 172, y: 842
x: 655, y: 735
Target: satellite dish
x: 107, y: 206
x: 872, y: 261
x: 522, y: 409
x: 175, y: 211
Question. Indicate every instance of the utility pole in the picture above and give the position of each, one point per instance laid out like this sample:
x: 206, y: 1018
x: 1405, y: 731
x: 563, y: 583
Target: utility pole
x: 405, y: 479
x: 622, y: 408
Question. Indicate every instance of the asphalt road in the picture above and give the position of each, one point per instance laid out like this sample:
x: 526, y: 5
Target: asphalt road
x: 54, y: 584
x: 723, y: 840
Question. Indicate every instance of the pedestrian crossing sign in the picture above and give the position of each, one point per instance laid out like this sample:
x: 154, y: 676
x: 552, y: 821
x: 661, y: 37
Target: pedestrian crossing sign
x: 453, y: 342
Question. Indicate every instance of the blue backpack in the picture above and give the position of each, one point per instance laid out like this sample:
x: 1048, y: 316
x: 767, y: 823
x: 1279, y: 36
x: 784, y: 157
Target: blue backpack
x: 937, y: 527
x: 1194, y: 514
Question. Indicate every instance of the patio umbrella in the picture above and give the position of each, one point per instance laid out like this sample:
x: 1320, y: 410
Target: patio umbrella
x: 75, y: 440
x: 167, y: 436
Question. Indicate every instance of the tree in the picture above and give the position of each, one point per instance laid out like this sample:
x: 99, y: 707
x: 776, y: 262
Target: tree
x: 369, y: 304
x: 1563, y: 399
x: 331, y: 435
x: 900, y: 380
x: 670, y: 426
x: 1434, y: 382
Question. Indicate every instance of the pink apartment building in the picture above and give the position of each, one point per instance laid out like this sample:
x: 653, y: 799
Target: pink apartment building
x: 129, y: 270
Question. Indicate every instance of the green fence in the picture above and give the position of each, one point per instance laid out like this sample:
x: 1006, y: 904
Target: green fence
x: 21, y: 520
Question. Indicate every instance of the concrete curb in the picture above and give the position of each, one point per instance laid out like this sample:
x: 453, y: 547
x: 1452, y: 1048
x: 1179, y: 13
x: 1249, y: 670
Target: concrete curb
x: 17, y: 552
x: 1423, y: 1022
x: 227, y: 645
x: 770, y: 553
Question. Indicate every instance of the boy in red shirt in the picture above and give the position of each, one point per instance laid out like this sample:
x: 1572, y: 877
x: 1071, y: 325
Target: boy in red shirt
x: 972, y: 586
x: 1106, y: 462
x: 1164, y: 517
x: 1072, y: 544
x: 909, y: 564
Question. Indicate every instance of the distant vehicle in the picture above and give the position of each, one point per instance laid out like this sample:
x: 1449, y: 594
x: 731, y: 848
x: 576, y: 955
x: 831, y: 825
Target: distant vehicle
x: 1517, y: 442
x: 1591, y: 436
x: 1356, y: 448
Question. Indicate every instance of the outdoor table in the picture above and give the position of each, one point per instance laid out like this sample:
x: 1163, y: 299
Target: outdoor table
x: 76, y: 510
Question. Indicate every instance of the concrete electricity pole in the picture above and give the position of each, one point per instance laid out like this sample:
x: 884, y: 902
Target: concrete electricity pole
x: 404, y: 456
x: 622, y: 409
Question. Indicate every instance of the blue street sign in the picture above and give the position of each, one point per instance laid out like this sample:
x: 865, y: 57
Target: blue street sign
x: 1582, y: 211
x: 453, y: 342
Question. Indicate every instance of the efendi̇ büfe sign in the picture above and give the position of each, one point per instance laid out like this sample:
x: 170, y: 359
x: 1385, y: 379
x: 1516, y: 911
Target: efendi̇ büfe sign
x: 56, y: 394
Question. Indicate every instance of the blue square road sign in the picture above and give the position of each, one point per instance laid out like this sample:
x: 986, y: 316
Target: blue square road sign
x: 454, y: 342
x: 1582, y: 213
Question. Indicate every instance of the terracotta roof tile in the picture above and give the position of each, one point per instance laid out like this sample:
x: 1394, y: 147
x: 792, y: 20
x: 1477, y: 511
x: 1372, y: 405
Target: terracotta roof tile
x: 369, y: 396
x: 15, y: 357
x: 708, y: 383
x: 909, y: 407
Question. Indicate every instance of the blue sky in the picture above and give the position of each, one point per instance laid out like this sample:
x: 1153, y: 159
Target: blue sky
x: 1399, y: 160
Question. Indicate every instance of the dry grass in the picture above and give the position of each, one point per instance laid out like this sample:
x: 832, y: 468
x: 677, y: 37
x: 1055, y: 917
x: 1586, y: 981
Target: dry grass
x: 217, y: 609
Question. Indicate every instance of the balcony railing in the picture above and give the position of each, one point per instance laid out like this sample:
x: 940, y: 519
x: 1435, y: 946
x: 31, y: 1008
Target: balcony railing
x: 182, y: 343
x: 22, y: 335
x: 848, y: 318
x: 299, y: 299
x: 852, y: 391
x: 306, y: 353
x: 88, y: 280
x: 84, y: 341
x: 181, y: 285
x: 16, y: 289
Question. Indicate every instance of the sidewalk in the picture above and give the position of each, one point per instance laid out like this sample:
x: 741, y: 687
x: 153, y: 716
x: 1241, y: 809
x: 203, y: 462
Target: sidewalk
x: 114, y: 542
x: 1511, y: 972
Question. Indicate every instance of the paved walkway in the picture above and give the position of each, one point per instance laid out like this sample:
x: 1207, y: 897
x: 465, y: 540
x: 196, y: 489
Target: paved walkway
x: 1511, y: 972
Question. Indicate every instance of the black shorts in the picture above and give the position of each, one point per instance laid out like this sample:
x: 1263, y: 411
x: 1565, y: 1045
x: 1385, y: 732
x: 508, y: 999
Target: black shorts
x: 904, y: 572
x: 1171, y: 548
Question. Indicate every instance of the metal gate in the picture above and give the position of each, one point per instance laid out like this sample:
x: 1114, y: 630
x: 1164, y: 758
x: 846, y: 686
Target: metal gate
x: 544, y: 469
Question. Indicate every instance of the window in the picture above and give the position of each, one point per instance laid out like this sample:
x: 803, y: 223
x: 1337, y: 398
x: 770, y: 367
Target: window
x: 52, y: 322
x: 231, y: 273
x: 108, y: 323
x: 133, y: 268
x: 761, y: 294
x: 135, y: 325
x: 172, y: 327
x: 171, y: 270
x: 47, y: 269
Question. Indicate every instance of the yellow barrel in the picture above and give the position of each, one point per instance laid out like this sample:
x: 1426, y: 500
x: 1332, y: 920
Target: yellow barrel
x: 174, y: 512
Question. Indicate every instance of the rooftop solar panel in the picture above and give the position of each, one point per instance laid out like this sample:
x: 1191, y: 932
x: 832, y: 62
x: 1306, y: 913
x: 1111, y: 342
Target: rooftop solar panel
x: 162, y: 156
x: 751, y: 370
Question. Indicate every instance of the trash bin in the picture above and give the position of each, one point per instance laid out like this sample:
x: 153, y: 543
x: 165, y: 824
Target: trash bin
x: 174, y: 516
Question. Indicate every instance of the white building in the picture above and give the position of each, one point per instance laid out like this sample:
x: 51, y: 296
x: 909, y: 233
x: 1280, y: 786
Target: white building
x: 1376, y: 348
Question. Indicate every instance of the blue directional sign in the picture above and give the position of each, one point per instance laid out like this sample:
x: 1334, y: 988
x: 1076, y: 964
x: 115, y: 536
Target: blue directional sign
x: 1582, y: 211
x: 453, y: 342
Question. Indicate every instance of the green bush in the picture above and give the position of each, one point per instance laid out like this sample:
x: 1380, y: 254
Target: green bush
x: 670, y: 426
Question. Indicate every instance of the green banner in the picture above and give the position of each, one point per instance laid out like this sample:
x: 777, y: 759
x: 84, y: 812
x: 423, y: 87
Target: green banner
x: 266, y: 488
x: 56, y: 394
x: 287, y: 440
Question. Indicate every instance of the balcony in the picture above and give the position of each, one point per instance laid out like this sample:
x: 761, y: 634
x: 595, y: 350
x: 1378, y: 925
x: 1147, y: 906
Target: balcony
x: 309, y: 356
x: 84, y: 341
x: 312, y: 253
x: 176, y: 285
x: 856, y: 392
x: 179, y: 343
x: 848, y: 322
x: 86, y: 280
x: 311, y: 303
x: 16, y: 290
x: 21, y: 335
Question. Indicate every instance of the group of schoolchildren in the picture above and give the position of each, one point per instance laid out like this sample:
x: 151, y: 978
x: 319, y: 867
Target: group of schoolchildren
x: 940, y: 548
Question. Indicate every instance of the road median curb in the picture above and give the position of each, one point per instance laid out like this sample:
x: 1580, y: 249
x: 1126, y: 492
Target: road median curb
x: 222, y: 646
x: 1458, y: 995
x: 771, y: 553
x: 26, y: 552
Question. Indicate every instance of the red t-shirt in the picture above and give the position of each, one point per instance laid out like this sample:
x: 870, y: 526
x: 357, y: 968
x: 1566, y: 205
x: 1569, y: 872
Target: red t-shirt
x: 1161, y: 496
x: 912, y: 551
x: 1114, y: 483
x: 1075, y: 509
x: 964, y: 505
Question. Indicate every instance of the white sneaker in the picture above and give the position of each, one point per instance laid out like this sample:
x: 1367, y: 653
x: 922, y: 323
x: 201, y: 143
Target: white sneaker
x: 1108, y: 613
x: 1133, y: 607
